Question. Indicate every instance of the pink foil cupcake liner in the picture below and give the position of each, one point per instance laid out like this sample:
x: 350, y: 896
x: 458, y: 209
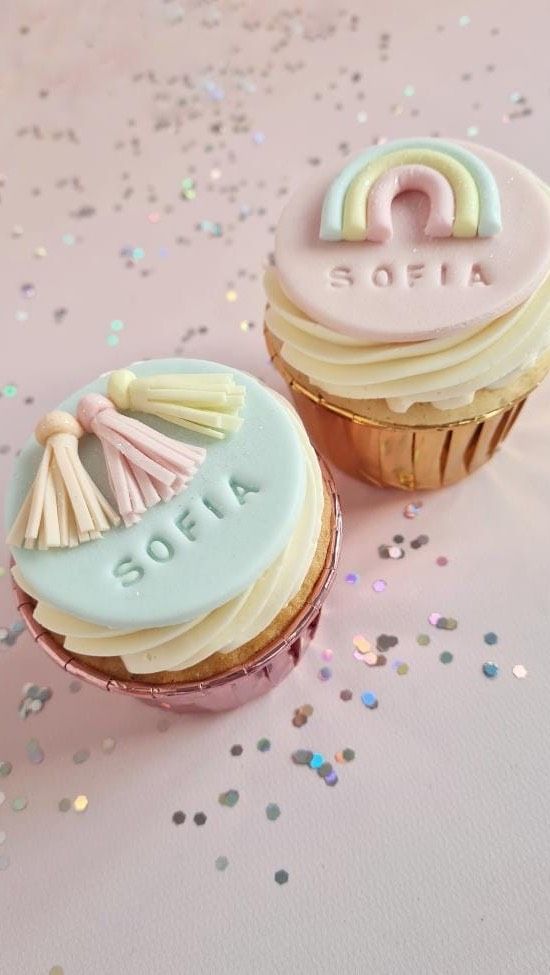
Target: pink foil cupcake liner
x: 228, y: 690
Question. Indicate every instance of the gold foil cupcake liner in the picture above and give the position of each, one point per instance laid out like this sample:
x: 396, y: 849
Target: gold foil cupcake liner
x: 397, y: 455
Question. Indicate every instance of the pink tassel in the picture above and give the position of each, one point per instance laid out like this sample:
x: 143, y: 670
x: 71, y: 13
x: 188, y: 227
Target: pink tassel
x: 143, y: 465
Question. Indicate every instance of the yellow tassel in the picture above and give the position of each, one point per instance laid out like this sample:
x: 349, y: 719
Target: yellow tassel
x: 63, y: 506
x: 206, y: 403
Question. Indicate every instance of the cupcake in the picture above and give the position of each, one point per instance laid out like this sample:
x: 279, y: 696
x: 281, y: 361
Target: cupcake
x: 173, y: 534
x: 408, y: 308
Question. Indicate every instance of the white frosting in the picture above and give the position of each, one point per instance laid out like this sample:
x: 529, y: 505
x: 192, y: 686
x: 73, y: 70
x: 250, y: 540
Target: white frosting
x: 231, y: 625
x: 445, y: 372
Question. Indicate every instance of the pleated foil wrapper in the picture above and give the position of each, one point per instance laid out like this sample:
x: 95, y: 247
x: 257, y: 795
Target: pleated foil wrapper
x: 228, y: 690
x: 412, y: 458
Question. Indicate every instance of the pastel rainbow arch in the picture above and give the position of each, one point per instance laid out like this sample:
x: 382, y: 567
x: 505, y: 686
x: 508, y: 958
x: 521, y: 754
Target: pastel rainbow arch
x: 357, y: 205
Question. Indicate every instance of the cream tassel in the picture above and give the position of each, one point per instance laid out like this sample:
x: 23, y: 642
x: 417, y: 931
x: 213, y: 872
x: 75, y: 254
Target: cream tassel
x: 205, y: 403
x: 63, y: 506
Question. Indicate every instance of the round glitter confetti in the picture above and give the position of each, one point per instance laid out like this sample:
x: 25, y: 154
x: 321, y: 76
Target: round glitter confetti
x: 434, y: 618
x: 446, y: 657
x: 379, y: 585
x: 236, y: 750
x: 5, y: 769
x: 64, y: 805
x: 81, y: 756
x: 386, y: 641
x: 178, y: 817
x: 229, y: 798
x: 221, y: 863
x: 108, y: 745
x: 352, y: 578
x: 490, y: 669
x: 281, y: 877
x: 490, y: 639
x: 327, y: 654
x: 325, y: 674
x: 34, y: 752
x: 56, y: 970
x: 302, y: 756
x: 306, y: 709
x: 423, y: 639
x: 316, y: 760
x: 80, y: 804
x: 369, y: 699
x: 28, y: 290
x: 402, y: 669
x: 272, y: 811
x: 519, y: 671
x: 441, y: 560
x: 199, y: 819
x: 331, y: 778
x: 10, y: 390
x: 263, y: 745
x: 371, y: 658
x: 361, y: 644
x: 4, y: 861
x: 231, y: 295
x: 324, y: 770
x: 299, y: 720
x: 348, y: 754
x: 339, y: 757
x: 446, y: 623
x: 19, y: 803
x: 117, y: 325
x: 346, y: 695
x: 412, y: 509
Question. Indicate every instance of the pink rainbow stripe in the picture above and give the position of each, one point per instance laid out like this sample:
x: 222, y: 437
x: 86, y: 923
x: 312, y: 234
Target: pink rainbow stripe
x: 399, y: 180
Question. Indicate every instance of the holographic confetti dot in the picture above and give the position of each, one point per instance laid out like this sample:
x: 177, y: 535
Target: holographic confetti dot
x: 325, y: 674
x: 80, y: 804
x: 34, y: 752
x: 361, y: 644
x: 412, y: 509
x: 306, y: 709
x: 64, y: 805
x: 441, y: 560
x: 68, y: 239
x: 4, y: 861
x: 316, y: 760
x: 299, y: 720
x: 236, y: 749
x: 346, y: 695
x: 302, y: 756
x: 245, y: 325
x: 490, y: 639
x: 472, y: 131
x: 281, y: 877
x: 379, y: 585
x: 56, y: 970
x: 28, y: 290
x: 352, y: 578
x: 331, y: 778
x: 348, y: 754
x: 464, y: 20
x: 5, y: 769
x: 40, y: 252
x: 263, y: 745
x: 9, y: 391
x: 369, y: 699
x: 386, y: 641
x: 490, y: 669
x: 229, y: 798
x: 112, y: 340
x: 408, y: 91
x: 19, y: 803
x: 519, y: 671
x: 81, y: 756
x: 272, y: 811
x: 370, y: 659
x: 108, y: 745
x: 324, y: 770
x: 446, y: 657
x: 117, y: 325
x: 446, y: 623
x: 199, y: 819
x: 327, y: 654
x: 420, y: 541
x: 231, y: 295
x: 221, y: 863
x: 434, y: 618
x: 402, y: 669
x: 178, y: 817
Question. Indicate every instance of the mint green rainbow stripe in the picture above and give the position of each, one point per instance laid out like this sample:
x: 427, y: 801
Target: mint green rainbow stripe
x: 490, y: 221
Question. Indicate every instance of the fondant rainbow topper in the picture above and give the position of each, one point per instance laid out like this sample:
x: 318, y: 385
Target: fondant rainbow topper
x: 463, y: 194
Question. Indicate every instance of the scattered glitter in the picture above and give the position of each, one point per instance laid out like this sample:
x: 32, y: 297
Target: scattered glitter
x: 346, y: 695
x: 331, y: 778
x: 272, y: 811
x: 402, y: 669
x: 281, y: 877
x: 348, y: 754
x: 434, y: 618
x: 5, y: 769
x: 178, y: 817
x: 258, y: 138
x: 446, y: 623
x: 472, y: 131
x: 81, y: 756
x: 306, y: 709
x: 446, y: 657
x: 316, y: 760
x: 299, y: 720
x: 80, y: 804
x: 263, y: 745
x: 325, y: 674
x: 40, y: 252
x: 34, y: 752
x: 231, y: 295
x: 28, y: 290
x: 361, y: 644
x: 56, y: 970
x: 519, y: 671
x: 34, y: 699
x: 117, y: 325
x: 490, y: 639
x: 199, y: 819
x: 379, y: 585
x: 371, y: 659
x: 229, y: 798
x: 4, y: 861
x: 441, y: 560
x: 490, y: 669
x: 153, y: 217
x: 352, y: 578
x: 408, y: 91
x: 369, y: 699
x: 420, y: 541
x: 138, y: 254
x: 108, y: 745
x: 68, y: 239
x: 302, y: 756
x: 236, y: 749
x: 19, y: 803
x: 327, y: 654
x: 386, y: 641
x: 222, y: 863
x: 188, y: 188
x: 17, y: 230
x: 246, y: 325
x: 412, y: 509
x: 64, y: 805
x: 112, y: 340
x: 75, y: 686
x: 464, y: 20
x: 213, y: 227
x: 9, y: 391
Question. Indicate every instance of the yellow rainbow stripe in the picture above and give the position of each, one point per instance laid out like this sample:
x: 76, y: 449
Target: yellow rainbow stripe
x: 466, y: 196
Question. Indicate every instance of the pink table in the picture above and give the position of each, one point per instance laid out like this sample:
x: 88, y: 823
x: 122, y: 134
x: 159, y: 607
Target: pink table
x: 431, y: 854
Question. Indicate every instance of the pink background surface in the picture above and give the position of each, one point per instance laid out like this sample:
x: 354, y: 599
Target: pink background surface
x: 431, y: 854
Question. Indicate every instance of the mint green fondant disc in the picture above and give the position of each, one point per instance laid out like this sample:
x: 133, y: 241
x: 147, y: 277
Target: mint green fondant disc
x: 195, y: 552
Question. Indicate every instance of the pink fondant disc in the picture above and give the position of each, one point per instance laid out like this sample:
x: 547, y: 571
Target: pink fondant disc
x: 414, y: 287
